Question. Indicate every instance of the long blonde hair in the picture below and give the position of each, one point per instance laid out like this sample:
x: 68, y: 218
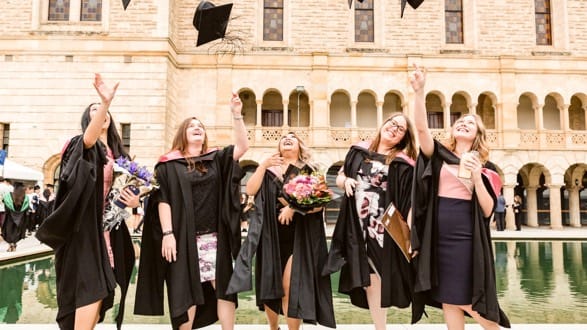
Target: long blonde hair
x: 407, y: 144
x: 480, y: 141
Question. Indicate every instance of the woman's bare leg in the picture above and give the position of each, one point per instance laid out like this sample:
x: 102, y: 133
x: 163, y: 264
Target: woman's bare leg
x: 292, y: 323
x: 226, y: 314
x: 272, y: 318
x: 191, y: 315
x: 454, y: 317
x: 485, y: 323
x: 86, y: 317
x: 378, y: 313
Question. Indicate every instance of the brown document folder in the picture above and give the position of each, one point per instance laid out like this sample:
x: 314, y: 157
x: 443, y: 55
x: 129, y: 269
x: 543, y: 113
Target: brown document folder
x: 398, y: 229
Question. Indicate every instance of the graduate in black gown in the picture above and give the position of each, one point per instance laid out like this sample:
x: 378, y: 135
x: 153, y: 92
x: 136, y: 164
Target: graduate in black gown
x: 191, y: 232
x: 16, y: 205
x: 452, y: 207
x: 290, y: 245
x: 376, y: 173
x: 88, y: 261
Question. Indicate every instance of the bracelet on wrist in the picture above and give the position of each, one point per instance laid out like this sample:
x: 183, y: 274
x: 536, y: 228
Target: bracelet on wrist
x: 169, y: 232
x: 237, y: 117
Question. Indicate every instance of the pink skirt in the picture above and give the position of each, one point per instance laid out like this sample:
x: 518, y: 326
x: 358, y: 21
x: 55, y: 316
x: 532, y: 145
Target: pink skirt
x: 207, y: 246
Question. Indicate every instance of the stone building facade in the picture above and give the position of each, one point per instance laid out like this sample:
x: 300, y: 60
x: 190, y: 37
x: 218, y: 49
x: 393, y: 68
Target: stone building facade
x: 328, y: 72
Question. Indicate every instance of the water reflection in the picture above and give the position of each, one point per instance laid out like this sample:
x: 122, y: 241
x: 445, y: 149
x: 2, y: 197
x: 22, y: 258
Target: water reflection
x: 537, y: 282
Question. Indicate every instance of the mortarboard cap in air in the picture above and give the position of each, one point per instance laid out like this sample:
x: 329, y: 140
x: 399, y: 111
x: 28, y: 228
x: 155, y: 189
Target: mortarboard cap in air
x: 351, y: 3
x: 413, y: 3
x: 211, y: 21
x: 125, y: 3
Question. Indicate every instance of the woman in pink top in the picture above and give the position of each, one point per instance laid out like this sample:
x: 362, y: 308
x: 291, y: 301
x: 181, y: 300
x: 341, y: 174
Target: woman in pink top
x: 452, y: 207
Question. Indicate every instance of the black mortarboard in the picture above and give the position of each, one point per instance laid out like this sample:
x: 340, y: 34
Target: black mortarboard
x: 211, y: 21
x: 125, y: 3
x: 351, y: 3
x: 413, y: 3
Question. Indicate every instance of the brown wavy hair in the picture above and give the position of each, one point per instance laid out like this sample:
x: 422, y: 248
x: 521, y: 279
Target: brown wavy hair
x: 407, y: 144
x: 480, y: 141
x: 180, y: 143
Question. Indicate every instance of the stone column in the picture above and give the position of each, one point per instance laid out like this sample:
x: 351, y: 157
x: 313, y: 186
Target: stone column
x: 574, y: 206
x: 531, y: 207
x: 565, y: 117
x: 259, y: 120
x: 540, y: 117
x: 555, y: 206
x: 508, y: 194
x: 286, y: 114
x: 446, y: 116
x: 354, y: 133
x: 379, y: 105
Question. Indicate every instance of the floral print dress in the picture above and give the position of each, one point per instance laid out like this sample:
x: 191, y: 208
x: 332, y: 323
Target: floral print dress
x: 370, y: 202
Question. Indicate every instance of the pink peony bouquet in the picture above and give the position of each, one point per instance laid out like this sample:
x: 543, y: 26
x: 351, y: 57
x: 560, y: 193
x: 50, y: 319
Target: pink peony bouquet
x: 307, y: 191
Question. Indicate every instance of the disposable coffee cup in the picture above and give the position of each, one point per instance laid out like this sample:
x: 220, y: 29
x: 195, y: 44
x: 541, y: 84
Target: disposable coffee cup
x: 463, y: 172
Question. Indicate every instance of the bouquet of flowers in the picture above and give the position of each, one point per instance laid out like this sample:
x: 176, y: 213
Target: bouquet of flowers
x: 129, y: 174
x: 307, y: 191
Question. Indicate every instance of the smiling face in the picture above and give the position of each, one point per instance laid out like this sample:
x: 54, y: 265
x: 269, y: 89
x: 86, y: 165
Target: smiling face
x: 289, y: 143
x: 195, y: 132
x: 93, y: 109
x: 465, y: 128
x: 393, y: 131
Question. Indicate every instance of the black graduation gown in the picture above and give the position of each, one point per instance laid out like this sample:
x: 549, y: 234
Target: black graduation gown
x: 15, y: 219
x: 424, y: 235
x: 347, y: 249
x: 183, y: 276
x: 310, y: 292
x: 74, y: 231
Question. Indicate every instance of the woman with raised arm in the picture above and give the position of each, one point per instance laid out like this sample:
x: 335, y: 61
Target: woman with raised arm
x: 191, y: 232
x: 375, y: 273
x: 87, y: 265
x: 455, y: 189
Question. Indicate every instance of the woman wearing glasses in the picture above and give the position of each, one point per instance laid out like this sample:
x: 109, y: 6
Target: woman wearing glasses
x: 376, y: 275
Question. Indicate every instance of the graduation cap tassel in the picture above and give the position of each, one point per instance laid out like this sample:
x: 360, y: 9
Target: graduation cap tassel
x: 125, y: 3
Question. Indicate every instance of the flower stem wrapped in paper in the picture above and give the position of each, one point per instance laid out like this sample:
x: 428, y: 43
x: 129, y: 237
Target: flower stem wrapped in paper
x: 305, y: 192
x: 127, y: 174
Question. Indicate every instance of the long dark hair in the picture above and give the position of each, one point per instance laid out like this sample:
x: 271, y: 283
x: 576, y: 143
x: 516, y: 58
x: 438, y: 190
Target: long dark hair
x: 114, y: 140
x: 18, y: 195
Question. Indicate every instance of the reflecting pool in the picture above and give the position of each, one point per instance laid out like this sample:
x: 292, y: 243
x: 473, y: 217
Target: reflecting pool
x: 537, y: 282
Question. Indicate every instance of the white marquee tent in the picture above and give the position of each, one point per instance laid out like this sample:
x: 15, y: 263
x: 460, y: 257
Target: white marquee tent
x: 15, y: 171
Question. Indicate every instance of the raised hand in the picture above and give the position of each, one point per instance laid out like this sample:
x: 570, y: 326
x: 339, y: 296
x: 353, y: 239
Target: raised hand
x: 105, y: 92
x: 236, y: 105
x: 418, y: 78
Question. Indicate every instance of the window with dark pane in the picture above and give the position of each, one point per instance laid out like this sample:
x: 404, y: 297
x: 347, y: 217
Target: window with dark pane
x: 125, y: 128
x: 91, y: 10
x: 5, y: 137
x: 453, y: 16
x: 273, y: 20
x: 364, y: 21
x: 58, y: 10
x: 543, y: 22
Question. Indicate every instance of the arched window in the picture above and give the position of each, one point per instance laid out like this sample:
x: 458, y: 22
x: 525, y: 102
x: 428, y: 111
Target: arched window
x: 272, y: 113
x: 543, y: 22
x: 576, y: 114
x: 434, y: 111
x: 458, y: 107
x: 392, y: 103
x: 366, y: 111
x: 551, y: 114
x: 249, y: 107
x: 525, y: 112
x: 486, y: 111
x: 340, y: 110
